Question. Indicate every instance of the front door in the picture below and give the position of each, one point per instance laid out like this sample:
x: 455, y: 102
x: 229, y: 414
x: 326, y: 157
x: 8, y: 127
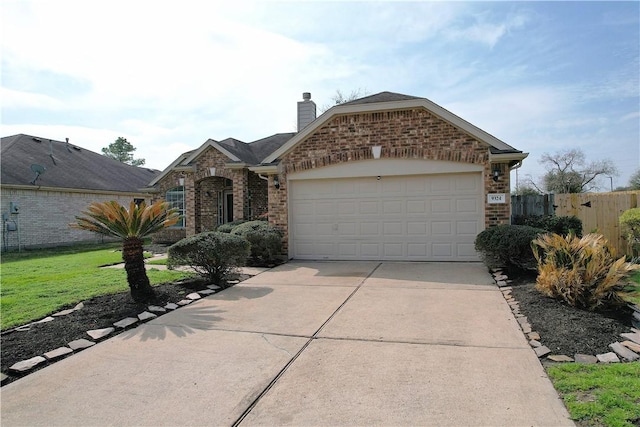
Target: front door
x: 225, y: 206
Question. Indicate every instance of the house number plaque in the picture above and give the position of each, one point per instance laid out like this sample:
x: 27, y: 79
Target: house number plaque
x: 496, y: 198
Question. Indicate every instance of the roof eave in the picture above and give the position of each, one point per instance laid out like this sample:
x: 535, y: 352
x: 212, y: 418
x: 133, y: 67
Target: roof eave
x: 264, y: 169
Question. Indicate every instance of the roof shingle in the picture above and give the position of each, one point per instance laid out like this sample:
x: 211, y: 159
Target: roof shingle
x: 67, y: 166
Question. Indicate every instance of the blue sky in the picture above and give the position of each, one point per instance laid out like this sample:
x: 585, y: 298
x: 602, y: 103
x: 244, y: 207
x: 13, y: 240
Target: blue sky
x: 541, y: 76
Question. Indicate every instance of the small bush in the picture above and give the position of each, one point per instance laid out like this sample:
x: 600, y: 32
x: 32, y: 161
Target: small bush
x: 213, y: 255
x: 508, y: 246
x: 229, y: 226
x: 584, y: 272
x: 265, y: 240
x: 630, y: 223
x: 562, y: 225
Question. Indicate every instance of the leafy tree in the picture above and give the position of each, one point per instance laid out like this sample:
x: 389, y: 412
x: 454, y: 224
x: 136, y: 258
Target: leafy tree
x: 569, y: 172
x: 121, y: 150
x: 132, y: 226
x: 634, y: 181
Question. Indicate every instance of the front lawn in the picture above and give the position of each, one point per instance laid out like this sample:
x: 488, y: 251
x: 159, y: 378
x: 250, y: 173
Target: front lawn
x: 38, y: 283
x: 599, y: 395
x: 634, y: 297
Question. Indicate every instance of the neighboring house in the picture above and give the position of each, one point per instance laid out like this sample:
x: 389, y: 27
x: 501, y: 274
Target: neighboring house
x: 45, y: 183
x: 384, y: 177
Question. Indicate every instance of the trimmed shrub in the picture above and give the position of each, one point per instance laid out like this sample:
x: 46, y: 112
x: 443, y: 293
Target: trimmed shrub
x: 213, y: 255
x: 229, y: 226
x: 265, y: 240
x: 630, y: 223
x: 583, y: 272
x: 562, y: 225
x: 508, y: 246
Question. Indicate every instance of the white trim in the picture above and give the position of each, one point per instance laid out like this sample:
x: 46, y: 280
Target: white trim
x: 387, y: 106
x: 385, y: 167
x: 268, y: 169
x: 214, y: 144
x: 73, y: 190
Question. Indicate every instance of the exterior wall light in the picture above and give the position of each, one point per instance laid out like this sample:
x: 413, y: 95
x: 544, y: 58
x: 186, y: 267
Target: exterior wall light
x: 496, y: 173
x: 276, y: 182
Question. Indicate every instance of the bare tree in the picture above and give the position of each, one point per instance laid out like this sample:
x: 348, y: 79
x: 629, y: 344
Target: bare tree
x: 340, y: 98
x: 569, y: 172
x: 634, y: 181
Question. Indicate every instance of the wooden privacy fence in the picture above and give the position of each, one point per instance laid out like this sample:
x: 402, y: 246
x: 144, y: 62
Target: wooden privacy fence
x: 531, y: 205
x: 599, y: 212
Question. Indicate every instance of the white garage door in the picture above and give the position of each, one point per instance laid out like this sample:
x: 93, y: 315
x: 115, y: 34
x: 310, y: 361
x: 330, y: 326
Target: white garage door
x: 416, y: 217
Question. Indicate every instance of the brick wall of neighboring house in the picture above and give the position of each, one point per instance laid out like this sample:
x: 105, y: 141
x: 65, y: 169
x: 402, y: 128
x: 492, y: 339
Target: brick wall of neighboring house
x: 403, y: 134
x: 44, y: 216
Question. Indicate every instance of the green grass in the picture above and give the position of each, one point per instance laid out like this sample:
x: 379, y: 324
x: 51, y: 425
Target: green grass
x: 634, y: 296
x: 599, y: 395
x: 38, y: 283
x: 158, y: 262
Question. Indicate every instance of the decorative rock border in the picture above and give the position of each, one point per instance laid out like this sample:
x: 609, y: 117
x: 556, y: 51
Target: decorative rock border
x: 625, y: 351
x: 24, y: 366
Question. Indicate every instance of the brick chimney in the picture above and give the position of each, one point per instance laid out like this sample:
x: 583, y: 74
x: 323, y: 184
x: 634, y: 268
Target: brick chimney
x: 306, y: 111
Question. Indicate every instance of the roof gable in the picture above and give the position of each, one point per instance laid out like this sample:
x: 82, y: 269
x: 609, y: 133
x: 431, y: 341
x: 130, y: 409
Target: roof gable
x: 236, y: 150
x: 67, y: 166
x: 391, y: 101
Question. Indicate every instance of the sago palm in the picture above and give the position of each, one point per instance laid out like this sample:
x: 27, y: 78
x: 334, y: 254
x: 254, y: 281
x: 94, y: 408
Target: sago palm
x: 132, y: 226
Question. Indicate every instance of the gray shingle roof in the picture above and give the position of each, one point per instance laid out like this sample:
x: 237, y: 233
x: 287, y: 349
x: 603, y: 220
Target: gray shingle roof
x: 381, y: 97
x: 67, y: 166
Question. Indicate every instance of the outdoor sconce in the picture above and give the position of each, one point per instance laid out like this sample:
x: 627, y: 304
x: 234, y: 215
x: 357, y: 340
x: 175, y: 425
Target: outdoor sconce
x: 276, y: 182
x: 212, y: 171
x: 376, y: 150
x: 496, y: 173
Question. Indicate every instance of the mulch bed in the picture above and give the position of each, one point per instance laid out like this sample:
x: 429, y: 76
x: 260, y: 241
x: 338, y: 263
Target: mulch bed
x: 565, y: 329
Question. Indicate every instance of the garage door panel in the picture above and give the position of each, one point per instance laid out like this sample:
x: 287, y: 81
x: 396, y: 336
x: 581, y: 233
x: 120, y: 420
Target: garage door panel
x: 347, y: 207
x: 393, y: 250
x: 392, y: 207
x: 416, y: 250
x: 417, y: 228
x: 467, y: 228
x: 439, y: 206
x: 368, y: 207
x: 467, y: 205
x: 393, y: 228
x: 441, y: 228
x: 419, y: 217
x: 369, y: 229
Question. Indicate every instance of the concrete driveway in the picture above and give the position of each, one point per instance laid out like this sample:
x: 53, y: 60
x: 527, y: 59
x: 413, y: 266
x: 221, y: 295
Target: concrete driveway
x: 309, y: 343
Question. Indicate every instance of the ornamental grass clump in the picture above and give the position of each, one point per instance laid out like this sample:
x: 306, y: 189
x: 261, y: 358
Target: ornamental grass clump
x: 583, y: 272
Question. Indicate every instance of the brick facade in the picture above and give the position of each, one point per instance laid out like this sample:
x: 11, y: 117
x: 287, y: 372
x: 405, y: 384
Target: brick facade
x: 44, y: 216
x: 202, y: 191
x: 403, y: 134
